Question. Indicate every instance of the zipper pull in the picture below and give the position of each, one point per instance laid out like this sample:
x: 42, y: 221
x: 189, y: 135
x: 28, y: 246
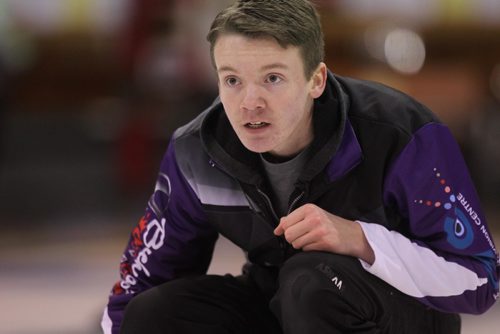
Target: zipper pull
x: 295, y: 201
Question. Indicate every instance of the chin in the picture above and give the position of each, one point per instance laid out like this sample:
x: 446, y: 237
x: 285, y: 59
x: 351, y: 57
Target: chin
x: 256, y: 148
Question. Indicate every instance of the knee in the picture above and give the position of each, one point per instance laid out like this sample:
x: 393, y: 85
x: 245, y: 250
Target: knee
x: 145, y: 310
x: 142, y: 308
x: 307, y: 282
x: 300, y: 292
x: 322, y: 269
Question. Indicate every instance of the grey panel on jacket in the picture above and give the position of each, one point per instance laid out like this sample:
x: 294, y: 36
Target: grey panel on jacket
x: 211, y: 185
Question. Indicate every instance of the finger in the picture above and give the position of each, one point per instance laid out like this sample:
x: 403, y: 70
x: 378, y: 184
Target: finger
x: 284, y: 224
x: 314, y: 246
x: 296, y: 216
x: 314, y: 240
x: 296, y: 231
x: 299, y: 213
x: 279, y: 230
x: 305, y: 240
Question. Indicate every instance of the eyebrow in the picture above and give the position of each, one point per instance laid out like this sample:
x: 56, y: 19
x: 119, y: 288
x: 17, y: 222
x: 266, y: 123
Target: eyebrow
x: 263, y: 68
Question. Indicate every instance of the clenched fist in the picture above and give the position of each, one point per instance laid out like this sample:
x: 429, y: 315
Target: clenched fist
x: 311, y: 228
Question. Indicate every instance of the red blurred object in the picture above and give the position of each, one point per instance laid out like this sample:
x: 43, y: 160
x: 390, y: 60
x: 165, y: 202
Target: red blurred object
x: 135, y: 156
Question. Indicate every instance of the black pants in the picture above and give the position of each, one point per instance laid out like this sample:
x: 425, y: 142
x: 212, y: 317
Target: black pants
x: 318, y: 293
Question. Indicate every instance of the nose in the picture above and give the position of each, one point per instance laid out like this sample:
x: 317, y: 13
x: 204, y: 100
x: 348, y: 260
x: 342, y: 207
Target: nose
x: 252, y: 98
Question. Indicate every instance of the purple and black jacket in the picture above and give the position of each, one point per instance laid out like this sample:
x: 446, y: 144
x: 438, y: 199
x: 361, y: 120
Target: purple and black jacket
x: 378, y: 157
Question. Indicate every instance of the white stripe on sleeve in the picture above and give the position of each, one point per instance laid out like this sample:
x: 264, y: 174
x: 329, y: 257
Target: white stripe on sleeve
x: 415, y: 270
x: 106, y: 322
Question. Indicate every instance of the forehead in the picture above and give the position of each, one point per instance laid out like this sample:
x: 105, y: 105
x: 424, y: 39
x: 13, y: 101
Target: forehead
x: 234, y: 50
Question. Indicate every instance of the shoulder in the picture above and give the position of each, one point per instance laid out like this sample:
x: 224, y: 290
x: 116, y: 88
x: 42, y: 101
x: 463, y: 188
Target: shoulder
x: 190, y: 129
x: 379, y: 106
x: 188, y: 137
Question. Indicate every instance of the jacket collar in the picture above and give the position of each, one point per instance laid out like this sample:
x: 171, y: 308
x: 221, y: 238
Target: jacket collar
x: 335, y: 146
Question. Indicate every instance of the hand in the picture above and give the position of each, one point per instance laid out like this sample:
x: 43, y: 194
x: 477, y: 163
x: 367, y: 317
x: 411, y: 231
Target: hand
x: 311, y: 228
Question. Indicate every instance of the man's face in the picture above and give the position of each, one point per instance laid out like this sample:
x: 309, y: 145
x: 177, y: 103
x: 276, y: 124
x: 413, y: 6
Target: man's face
x: 265, y: 93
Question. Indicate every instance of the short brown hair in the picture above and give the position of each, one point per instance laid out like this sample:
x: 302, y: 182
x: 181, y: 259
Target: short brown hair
x: 289, y: 22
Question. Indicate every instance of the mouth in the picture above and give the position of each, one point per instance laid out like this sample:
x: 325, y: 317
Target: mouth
x: 256, y: 125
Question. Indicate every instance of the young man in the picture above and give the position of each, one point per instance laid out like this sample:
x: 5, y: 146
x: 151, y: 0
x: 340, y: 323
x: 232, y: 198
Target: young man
x: 351, y: 199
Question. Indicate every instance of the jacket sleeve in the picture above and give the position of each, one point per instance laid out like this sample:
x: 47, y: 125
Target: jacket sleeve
x: 172, y: 239
x: 447, y: 258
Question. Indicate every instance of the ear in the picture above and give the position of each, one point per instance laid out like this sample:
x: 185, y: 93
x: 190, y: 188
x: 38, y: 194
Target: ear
x: 318, y: 81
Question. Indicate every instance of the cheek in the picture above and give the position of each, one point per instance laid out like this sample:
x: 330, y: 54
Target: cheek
x: 294, y: 107
x: 228, y: 105
x: 296, y: 115
x: 223, y: 97
x: 228, y: 100
x: 292, y: 122
x: 230, y: 115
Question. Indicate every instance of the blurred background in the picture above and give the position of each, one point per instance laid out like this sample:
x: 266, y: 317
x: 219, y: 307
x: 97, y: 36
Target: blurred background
x: 91, y: 90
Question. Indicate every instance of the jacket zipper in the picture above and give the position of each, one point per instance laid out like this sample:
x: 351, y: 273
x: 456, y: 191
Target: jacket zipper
x: 282, y: 241
x: 269, y: 204
x: 294, y: 202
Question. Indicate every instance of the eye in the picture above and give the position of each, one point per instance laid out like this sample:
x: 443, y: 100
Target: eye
x: 231, y: 81
x: 274, y: 79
